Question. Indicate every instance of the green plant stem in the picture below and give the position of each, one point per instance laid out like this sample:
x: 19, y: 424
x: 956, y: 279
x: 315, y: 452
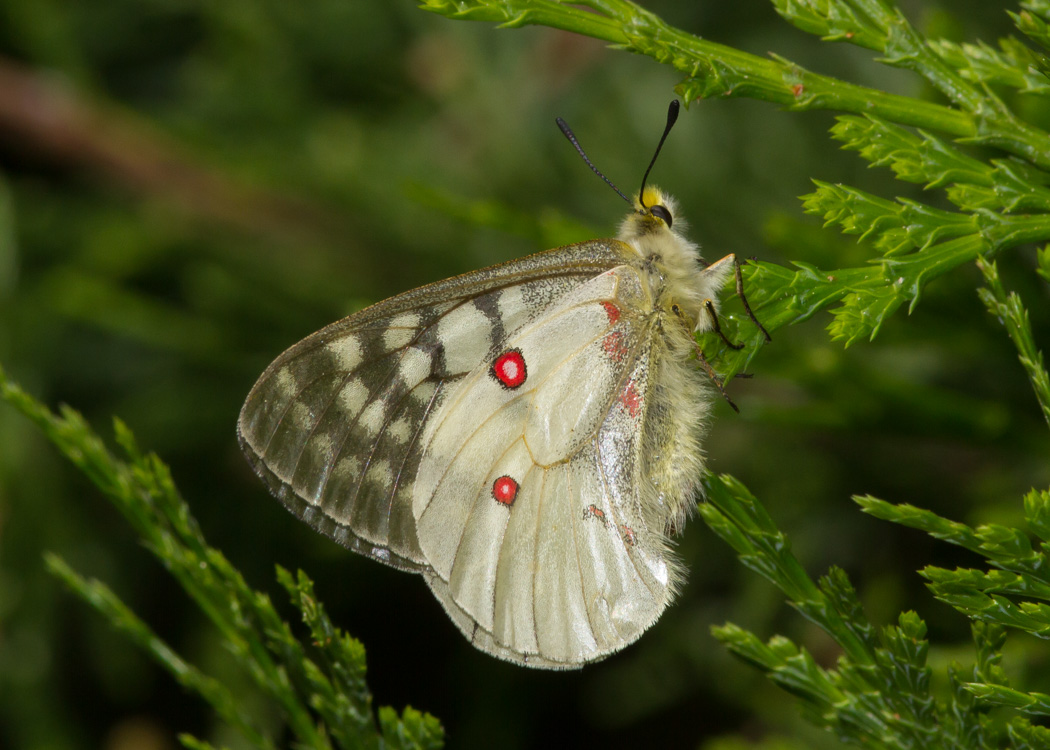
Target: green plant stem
x: 881, y: 26
x: 144, y: 493
x: 737, y: 516
x: 717, y: 70
x: 906, y: 48
x: 1011, y: 312
x: 102, y: 598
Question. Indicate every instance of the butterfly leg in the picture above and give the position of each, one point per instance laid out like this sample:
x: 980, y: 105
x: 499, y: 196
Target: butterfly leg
x: 700, y: 353
x: 719, y: 384
x: 717, y: 328
x: 743, y: 299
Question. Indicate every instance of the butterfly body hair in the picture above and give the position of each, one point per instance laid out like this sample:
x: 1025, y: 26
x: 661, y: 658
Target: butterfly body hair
x: 684, y: 292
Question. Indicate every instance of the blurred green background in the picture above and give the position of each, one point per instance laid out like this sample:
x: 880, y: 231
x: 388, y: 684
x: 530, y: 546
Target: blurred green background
x: 187, y: 188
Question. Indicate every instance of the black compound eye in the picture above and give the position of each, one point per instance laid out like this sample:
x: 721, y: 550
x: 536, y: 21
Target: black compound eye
x: 661, y: 213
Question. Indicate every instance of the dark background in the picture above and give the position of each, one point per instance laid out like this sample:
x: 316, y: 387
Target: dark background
x: 187, y: 188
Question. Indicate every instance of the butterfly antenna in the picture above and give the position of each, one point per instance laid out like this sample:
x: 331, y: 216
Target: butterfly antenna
x: 672, y: 118
x: 567, y: 132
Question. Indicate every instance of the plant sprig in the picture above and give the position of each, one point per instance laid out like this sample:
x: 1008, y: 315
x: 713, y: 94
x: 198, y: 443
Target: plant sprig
x: 105, y: 601
x: 879, y: 694
x: 320, y: 690
x: 1009, y: 309
x: 714, y: 69
x: 1003, y: 202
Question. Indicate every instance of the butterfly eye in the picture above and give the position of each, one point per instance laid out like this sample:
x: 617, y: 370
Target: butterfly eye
x: 661, y: 213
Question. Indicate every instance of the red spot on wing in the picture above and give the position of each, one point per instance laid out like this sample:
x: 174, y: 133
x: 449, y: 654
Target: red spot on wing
x: 615, y: 345
x: 593, y: 511
x: 631, y: 400
x: 612, y: 311
x: 628, y: 535
x: 504, y: 490
x: 509, y: 369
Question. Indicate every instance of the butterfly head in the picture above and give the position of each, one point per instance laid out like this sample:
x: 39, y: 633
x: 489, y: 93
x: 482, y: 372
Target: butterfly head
x: 654, y: 215
x: 654, y: 231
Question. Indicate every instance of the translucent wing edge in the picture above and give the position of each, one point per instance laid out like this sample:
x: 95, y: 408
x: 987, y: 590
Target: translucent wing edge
x: 483, y: 640
x: 317, y: 519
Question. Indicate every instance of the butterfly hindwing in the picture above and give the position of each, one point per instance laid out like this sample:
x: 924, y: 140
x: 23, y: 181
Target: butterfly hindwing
x: 333, y: 425
x: 527, y: 499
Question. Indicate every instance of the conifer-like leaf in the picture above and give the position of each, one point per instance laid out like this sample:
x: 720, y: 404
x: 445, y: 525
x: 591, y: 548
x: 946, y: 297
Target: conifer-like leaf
x: 1014, y: 64
x: 896, y: 227
x: 319, y: 690
x: 832, y: 20
x: 1009, y: 309
x: 880, y: 692
x: 1034, y: 21
x: 1037, y: 515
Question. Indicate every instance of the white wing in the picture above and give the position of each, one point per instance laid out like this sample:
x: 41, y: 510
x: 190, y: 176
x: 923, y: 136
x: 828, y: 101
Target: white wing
x: 527, y: 498
x: 333, y: 424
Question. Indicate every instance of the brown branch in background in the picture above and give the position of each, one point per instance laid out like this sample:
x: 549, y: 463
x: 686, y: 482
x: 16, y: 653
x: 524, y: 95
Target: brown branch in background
x: 44, y: 117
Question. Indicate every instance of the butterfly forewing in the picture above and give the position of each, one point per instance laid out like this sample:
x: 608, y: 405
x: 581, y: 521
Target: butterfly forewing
x: 334, y: 424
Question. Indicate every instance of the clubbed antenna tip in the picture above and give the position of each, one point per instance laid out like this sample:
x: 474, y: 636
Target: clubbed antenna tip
x: 672, y: 118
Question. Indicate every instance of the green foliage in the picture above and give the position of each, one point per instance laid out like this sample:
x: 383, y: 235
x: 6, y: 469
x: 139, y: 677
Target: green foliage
x: 983, y: 595
x: 880, y: 693
x: 164, y: 301
x: 932, y: 241
x: 320, y: 691
x: 1010, y: 310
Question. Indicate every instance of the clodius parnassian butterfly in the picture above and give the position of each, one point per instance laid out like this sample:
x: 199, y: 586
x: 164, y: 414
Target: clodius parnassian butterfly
x: 526, y: 436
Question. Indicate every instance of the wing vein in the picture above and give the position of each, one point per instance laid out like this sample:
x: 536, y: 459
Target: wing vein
x: 346, y: 433
x: 453, y: 406
x: 415, y: 437
x: 473, y: 509
x: 459, y: 450
x: 579, y: 561
x: 535, y: 561
x: 613, y: 509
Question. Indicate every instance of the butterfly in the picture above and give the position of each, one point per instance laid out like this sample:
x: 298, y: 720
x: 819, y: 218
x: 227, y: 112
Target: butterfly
x: 527, y: 437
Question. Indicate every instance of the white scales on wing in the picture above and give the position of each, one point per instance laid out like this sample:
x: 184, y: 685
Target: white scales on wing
x: 525, y: 436
x: 333, y: 424
x: 527, y: 512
